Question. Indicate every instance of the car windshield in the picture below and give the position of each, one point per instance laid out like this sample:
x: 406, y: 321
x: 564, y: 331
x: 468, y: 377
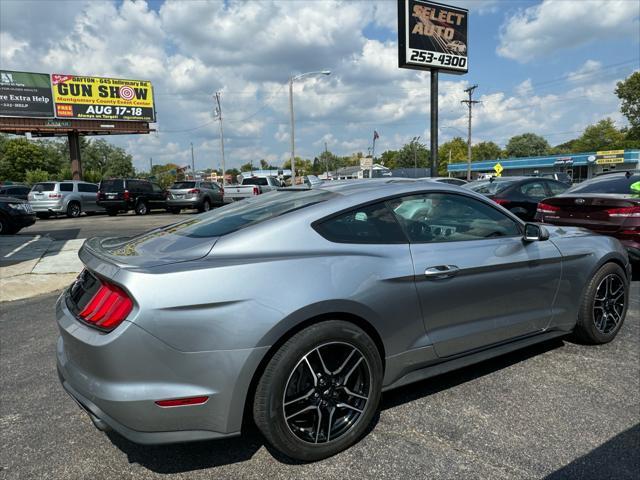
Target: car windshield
x: 111, y: 186
x: 607, y: 184
x: 248, y: 212
x: 181, y: 185
x: 255, y: 181
x: 487, y: 187
x: 43, y: 187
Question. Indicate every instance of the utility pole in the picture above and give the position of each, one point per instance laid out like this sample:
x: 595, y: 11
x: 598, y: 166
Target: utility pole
x: 470, y: 104
x: 414, y: 141
x: 193, y: 164
x: 219, y: 115
x: 326, y: 160
x: 293, y: 142
x: 150, y: 165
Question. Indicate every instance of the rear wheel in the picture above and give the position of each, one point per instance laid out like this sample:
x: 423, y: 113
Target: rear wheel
x: 604, y: 306
x: 206, y: 205
x: 320, y: 391
x: 73, y: 210
x: 141, y: 208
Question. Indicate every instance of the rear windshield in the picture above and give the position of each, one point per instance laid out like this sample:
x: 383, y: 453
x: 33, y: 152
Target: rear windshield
x: 112, y: 185
x: 44, y: 187
x: 180, y: 185
x: 606, y: 184
x: 489, y: 188
x: 238, y: 215
x: 255, y: 181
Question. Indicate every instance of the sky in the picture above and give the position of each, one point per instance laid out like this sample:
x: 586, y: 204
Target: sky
x: 548, y: 67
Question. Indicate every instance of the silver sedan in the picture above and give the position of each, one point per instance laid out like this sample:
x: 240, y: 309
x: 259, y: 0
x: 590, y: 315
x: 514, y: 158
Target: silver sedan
x: 298, y: 308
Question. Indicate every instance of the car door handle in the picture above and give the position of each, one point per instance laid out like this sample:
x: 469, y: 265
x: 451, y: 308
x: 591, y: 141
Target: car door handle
x: 441, y: 271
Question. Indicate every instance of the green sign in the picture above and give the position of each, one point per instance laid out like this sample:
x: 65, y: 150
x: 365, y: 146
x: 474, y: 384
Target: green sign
x: 25, y: 94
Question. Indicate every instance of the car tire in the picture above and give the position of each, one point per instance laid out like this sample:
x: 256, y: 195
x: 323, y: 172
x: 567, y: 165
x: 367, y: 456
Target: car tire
x: 141, y: 208
x: 332, y: 366
x: 73, y: 210
x: 206, y: 206
x: 604, y: 306
x: 42, y: 216
x: 5, y: 227
x: 112, y: 212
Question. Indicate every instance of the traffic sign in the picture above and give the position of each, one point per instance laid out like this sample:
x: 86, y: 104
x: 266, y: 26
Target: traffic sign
x: 498, y: 169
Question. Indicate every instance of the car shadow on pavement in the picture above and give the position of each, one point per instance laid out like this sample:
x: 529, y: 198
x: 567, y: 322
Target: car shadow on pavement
x: 451, y: 379
x: 186, y: 457
x: 618, y: 458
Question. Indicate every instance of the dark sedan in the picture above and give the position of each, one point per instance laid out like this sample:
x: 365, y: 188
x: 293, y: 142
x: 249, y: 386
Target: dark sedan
x: 520, y: 195
x: 604, y: 204
x: 15, y: 214
x: 15, y: 191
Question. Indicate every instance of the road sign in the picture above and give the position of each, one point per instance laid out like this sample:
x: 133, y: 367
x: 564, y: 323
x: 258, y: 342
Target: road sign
x: 498, y: 169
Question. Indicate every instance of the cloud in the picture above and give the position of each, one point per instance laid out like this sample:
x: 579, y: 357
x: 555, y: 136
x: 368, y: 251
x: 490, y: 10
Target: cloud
x: 555, y: 25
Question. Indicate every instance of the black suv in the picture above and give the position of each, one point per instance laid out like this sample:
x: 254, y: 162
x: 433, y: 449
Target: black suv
x: 15, y: 214
x: 124, y: 194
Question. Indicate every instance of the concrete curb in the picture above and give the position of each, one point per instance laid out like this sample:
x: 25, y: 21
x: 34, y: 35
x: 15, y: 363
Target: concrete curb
x: 34, y: 265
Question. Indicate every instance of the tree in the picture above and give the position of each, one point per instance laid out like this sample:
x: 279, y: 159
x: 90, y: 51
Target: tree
x: 486, y: 151
x: 20, y: 155
x: 410, y: 155
x: 602, y: 136
x: 527, y: 145
x: 456, y: 149
x: 628, y: 91
x: 388, y: 159
x: 247, y: 167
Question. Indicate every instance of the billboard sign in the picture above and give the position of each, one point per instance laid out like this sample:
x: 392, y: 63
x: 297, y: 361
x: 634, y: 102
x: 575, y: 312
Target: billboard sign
x: 609, y: 156
x: 102, y: 98
x: 25, y: 94
x: 432, y: 36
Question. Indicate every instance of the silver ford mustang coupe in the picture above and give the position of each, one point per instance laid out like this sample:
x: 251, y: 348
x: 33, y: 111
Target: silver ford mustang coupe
x: 297, y: 308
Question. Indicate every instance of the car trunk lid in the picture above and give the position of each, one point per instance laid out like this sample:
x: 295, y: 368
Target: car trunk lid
x: 604, y: 213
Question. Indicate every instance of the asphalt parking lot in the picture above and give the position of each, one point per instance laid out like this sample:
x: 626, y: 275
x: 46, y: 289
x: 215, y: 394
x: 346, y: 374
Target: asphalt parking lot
x: 124, y: 224
x: 557, y: 410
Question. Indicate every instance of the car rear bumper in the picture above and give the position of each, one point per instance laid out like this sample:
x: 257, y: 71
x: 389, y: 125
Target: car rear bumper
x: 114, y: 204
x: 184, y: 203
x: 118, y: 377
x: 56, y: 206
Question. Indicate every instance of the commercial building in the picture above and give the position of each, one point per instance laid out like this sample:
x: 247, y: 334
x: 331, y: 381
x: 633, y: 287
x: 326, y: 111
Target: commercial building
x: 580, y: 166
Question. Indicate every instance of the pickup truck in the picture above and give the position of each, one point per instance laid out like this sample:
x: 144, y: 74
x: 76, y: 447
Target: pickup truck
x: 250, y: 187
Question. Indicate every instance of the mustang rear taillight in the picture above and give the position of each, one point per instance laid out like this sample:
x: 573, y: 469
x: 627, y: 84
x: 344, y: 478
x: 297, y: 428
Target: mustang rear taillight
x: 108, y: 308
x: 627, y: 212
x: 546, y: 208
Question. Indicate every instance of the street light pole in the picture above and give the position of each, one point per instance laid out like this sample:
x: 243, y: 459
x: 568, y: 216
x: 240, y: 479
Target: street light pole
x: 293, y: 142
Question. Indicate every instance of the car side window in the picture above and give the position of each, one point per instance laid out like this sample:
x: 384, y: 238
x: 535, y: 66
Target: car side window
x: 66, y: 187
x: 534, y: 190
x: 367, y: 224
x: 156, y: 188
x: 446, y: 217
x: 87, y: 187
x: 557, y: 188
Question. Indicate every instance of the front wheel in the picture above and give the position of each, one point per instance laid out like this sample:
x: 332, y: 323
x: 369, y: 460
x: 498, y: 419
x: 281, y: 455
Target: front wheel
x: 604, y: 306
x: 320, y: 391
x: 73, y: 210
x: 206, y: 206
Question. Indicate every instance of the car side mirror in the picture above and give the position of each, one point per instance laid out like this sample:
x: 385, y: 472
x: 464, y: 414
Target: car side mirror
x: 534, y: 233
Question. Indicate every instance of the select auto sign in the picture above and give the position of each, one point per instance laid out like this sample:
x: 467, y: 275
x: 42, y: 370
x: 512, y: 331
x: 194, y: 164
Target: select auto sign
x: 432, y: 36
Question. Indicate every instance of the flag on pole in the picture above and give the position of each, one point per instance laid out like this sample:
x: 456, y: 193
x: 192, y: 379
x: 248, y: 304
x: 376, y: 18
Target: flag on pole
x: 375, y: 135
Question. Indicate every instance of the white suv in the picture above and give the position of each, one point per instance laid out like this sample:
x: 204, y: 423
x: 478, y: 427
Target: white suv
x: 68, y: 197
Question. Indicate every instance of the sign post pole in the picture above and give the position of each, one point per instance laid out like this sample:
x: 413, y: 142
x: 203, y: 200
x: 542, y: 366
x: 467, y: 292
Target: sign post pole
x: 74, y: 153
x: 434, y: 123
